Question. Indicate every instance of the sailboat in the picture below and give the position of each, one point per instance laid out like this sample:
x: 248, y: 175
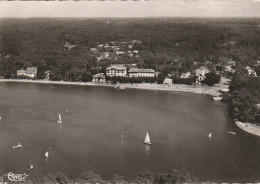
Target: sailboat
x: 59, y: 121
x: 18, y: 146
x: 147, y: 139
x: 210, y: 135
x: 31, y: 166
x: 46, y: 154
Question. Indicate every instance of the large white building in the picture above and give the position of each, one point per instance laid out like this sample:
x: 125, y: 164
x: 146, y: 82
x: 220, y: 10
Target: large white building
x: 116, y: 70
x: 136, y: 72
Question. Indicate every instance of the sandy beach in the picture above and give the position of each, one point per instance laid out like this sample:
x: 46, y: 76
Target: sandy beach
x: 207, y: 90
x: 249, y: 127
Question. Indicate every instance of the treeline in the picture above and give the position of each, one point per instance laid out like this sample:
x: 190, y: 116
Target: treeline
x: 244, y: 97
x: 175, y: 176
x: 132, y: 80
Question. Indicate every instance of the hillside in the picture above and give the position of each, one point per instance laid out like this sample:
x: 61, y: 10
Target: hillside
x: 164, y: 42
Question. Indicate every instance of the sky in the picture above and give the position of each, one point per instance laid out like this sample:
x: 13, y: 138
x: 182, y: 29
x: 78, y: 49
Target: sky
x: 117, y: 8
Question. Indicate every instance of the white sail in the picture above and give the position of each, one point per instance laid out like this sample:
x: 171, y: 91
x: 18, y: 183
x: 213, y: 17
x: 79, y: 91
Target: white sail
x: 59, y: 121
x: 31, y: 166
x: 210, y: 135
x: 147, y: 139
x: 46, y: 154
x: 18, y: 146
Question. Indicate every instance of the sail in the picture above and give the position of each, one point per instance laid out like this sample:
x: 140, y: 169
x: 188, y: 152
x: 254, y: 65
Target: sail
x: 210, y: 135
x: 59, y: 117
x: 31, y: 166
x: 147, y: 138
x: 46, y: 154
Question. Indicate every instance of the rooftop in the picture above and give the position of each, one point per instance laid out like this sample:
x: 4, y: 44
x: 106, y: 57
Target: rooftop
x: 117, y: 67
x: 31, y: 69
x: 141, y: 70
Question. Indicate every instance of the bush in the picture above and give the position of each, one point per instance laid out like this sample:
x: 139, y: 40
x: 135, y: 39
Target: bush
x: 86, y: 77
x: 188, y: 81
x: 211, y: 78
x: 90, y: 177
x: 175, y: 176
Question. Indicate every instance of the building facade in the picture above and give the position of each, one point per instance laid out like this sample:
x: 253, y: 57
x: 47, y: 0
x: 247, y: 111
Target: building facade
x: 116, y: 71
x: 30, y: 72
x: 136, y: 72
x: 21, y: 72
x: 100, y: 77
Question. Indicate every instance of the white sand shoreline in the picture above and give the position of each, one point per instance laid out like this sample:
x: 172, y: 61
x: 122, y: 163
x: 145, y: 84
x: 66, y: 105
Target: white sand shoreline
x: 208, y: 90
x: 249, y: 127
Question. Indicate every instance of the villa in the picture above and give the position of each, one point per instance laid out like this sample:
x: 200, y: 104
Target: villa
x: 251, y: 71
x: 136, y: 72
x: 116, y: 70
x: 30, y: 72
x: 185, y: 75
x: 21, y: 72
x: 100, y: 77
x: 200, y: 74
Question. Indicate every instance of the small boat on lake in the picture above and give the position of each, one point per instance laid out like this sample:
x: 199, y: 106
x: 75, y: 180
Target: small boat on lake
x: 18, y: 146
x: 234, y: 133
x: 46, y: 154
x: 217, y: 98
x: 210, y: 135
x: 59, y: 121
x: 31, y: 166
x: 147, y: 139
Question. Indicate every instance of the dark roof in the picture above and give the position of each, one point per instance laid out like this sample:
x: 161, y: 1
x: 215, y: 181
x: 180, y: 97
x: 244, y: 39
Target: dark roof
x: 31, y: 69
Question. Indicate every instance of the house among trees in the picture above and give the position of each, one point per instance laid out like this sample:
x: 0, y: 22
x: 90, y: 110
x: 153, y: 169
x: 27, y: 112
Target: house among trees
x: 30, y: 72
x: 185, y: 75
x: 251, y: 71
x: 47, y: 74
x: 93, y: 49
x: 167, y: 81
x: 100, y: 77
x: 200, y: 74
x: 21, y: 72
x: 116, y: 70
x: 136, y: 72
x: 105, y: 54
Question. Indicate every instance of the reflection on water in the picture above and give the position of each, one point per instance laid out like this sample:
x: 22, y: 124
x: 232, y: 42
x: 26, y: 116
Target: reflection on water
x: 147, y: 149
x: 105, y: 132
x: 122, y: 139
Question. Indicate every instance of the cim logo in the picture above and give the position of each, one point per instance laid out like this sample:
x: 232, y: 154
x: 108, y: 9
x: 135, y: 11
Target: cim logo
x: 16, y: 177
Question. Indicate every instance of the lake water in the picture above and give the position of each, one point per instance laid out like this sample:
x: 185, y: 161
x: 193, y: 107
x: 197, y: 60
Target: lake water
x: 90, y: 137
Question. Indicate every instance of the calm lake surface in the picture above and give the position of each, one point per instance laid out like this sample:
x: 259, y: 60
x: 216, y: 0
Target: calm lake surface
x: 90, y: 137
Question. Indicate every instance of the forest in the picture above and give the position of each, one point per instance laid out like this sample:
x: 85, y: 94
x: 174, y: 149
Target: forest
x: 165, y: 42
x: 145, y: 177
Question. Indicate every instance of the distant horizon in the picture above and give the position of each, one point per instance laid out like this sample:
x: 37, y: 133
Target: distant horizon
x: 131, y: 9
x: 129, y: 17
